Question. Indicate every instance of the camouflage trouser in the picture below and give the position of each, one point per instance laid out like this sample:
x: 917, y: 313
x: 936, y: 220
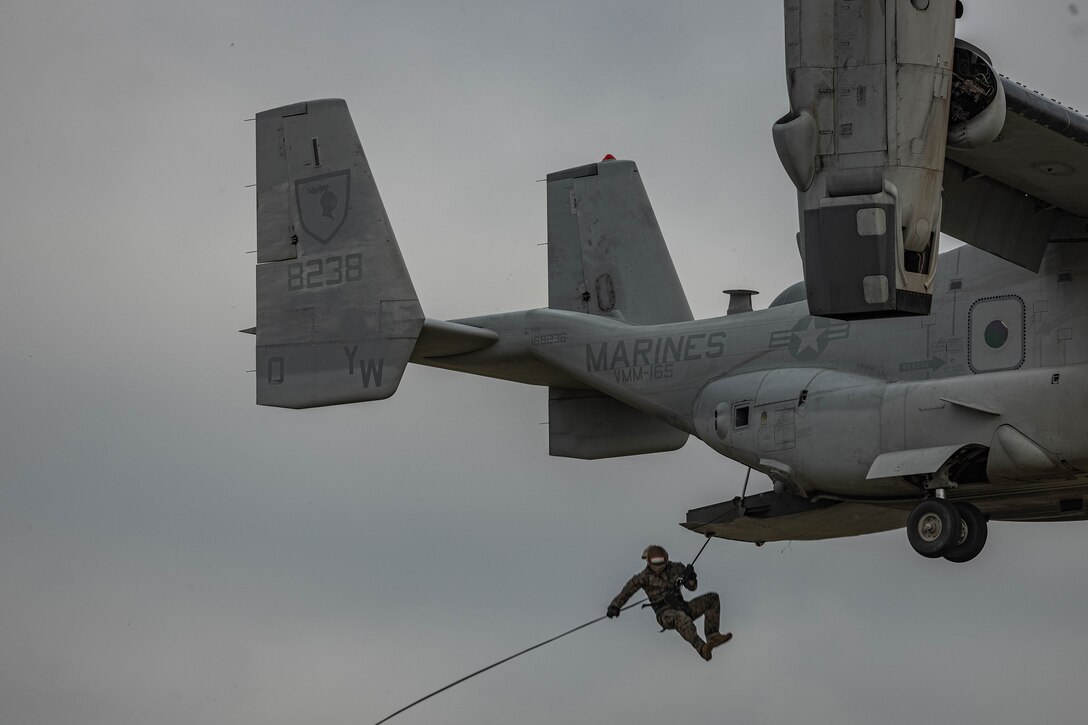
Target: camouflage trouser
x: 708, y: 606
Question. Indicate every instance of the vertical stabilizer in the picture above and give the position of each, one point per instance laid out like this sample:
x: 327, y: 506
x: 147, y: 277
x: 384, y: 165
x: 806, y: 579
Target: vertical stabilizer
x: 337, y: 315
x: 606, y: 255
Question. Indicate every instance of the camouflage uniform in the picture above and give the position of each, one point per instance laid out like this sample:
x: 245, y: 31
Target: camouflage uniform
x: 669, y: 605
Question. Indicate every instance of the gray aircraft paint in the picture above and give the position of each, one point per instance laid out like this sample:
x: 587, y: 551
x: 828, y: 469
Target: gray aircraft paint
x: 969, y: 400
x: 857, y: 377
x: 333, y: 294
x: 596, y: 351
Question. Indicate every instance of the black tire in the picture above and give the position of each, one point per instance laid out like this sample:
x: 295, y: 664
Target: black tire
x: 972, y: 536
x: 933, y: 527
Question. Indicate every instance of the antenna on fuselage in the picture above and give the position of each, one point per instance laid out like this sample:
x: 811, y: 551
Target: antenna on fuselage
x: 740, y: 300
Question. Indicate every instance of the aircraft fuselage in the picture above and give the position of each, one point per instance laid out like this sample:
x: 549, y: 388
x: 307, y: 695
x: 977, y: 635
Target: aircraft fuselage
x: 816, y: 402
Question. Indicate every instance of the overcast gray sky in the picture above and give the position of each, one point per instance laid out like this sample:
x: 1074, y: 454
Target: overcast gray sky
x: 170, y: 553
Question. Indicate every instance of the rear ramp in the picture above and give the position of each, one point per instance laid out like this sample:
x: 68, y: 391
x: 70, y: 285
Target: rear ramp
x: 772, y: 516
x: 337, y: 315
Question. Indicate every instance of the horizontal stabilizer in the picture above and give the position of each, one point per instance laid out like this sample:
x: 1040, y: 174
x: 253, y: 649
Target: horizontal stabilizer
x: 589, y: 425
x: 337, y: 315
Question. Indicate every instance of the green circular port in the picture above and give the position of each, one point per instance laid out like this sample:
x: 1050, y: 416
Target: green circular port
x: 996, y: 334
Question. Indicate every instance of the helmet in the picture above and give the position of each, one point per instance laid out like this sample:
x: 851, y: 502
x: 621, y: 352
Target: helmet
x: 656, y: 557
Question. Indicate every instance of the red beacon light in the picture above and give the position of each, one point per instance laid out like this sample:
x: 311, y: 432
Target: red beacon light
x: 608, y: 157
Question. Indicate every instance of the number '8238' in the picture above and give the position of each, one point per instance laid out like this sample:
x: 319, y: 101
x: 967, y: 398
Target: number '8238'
x: 325, y: 272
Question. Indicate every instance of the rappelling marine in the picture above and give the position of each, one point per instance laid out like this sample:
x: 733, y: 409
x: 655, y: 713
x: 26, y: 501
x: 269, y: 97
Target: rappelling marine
x: 661, y: 580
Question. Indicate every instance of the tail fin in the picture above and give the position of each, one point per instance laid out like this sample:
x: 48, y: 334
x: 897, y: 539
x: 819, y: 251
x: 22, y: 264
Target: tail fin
x: 337, y: 315
x: 606, y: 255
x: 605, y: 249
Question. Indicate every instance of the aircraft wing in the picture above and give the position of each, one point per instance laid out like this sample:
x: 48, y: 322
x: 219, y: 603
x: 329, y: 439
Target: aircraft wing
x: 1028, y: 187
x: 774, y: 516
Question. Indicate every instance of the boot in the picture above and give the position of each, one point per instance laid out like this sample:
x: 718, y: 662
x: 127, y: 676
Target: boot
x: 705, y: 650
x: 716, y: 639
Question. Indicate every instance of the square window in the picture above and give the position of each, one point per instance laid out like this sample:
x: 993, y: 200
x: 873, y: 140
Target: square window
x: 740, y: 416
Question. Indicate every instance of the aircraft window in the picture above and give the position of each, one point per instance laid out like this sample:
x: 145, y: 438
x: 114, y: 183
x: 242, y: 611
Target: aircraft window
x: 740, y: 416
x: 996, y: 334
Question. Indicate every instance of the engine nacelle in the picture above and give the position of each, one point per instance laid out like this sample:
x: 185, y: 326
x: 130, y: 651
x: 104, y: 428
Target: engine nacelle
x: 977, y: 113
x: 864, y: 143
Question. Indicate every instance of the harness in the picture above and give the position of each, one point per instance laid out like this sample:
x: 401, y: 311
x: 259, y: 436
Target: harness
x: 673, y: 599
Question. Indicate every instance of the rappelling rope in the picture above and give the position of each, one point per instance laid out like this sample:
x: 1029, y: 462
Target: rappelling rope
x: 492, y: 666
x: 558, y: 636
x: 727, y: 511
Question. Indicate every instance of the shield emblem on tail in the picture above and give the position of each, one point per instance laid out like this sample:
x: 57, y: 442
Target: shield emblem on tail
x: 323, y: 203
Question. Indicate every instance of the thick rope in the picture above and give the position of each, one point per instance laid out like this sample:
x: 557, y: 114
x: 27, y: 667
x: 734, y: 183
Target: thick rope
x: 727, y: 511
x: 558, y: 636
x: 492, y: 666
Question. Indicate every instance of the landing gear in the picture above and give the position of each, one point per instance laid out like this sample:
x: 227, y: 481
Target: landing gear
x: 933, y: 527
x: 972, y: 536
x: 937, y: 527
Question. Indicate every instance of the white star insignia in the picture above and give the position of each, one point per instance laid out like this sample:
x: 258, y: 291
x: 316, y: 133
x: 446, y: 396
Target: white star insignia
x: 809, y: 338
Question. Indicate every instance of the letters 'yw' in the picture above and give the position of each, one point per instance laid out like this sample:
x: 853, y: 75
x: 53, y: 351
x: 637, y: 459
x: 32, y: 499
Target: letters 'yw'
x: 323, y: 204
x: 370, y: 370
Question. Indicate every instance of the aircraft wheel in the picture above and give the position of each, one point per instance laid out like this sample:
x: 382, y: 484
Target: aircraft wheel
x: 933, y: 527
x: 972, y: 536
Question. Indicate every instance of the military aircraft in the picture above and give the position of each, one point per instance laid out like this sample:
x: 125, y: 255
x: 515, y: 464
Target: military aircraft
x: 941, y: 392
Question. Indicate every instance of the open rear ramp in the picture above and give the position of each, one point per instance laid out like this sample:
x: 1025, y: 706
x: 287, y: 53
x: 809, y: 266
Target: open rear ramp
x: 337, y: 315
x: 774, y: 516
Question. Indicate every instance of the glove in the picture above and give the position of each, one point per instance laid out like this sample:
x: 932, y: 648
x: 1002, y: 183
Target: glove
x: 613, y: 611
x: 689, y: 572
